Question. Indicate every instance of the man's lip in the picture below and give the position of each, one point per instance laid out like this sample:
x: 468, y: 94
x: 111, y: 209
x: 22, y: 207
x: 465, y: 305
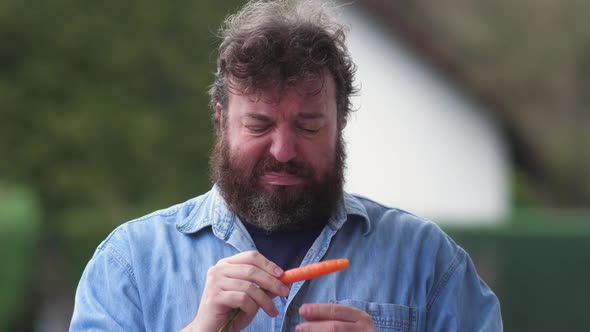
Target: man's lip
x: 281, y: 179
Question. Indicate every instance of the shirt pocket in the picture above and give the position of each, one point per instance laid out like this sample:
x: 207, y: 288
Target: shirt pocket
x: 387, y: 316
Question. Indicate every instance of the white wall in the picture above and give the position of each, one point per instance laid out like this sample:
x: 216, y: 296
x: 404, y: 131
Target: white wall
x: 416, y: 142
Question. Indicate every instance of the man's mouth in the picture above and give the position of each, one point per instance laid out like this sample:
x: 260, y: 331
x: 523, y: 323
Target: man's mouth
x: 281, y: 179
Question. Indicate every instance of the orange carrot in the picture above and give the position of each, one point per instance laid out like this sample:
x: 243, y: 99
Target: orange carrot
x: 314, y: 270
x: 297, y: 274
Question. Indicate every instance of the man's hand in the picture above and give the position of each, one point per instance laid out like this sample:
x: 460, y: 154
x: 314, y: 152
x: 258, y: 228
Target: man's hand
x: 247, y: 281
x: 333, y: 317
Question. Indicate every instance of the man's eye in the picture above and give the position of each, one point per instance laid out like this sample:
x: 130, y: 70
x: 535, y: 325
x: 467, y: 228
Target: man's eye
x: 310, y: 130
x: 257, y: 129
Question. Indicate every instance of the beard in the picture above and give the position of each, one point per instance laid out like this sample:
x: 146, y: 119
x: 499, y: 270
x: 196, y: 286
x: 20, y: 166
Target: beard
x: 284, y: 208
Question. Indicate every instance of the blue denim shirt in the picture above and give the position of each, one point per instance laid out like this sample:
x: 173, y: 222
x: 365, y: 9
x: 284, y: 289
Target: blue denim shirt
x: 149, y: 274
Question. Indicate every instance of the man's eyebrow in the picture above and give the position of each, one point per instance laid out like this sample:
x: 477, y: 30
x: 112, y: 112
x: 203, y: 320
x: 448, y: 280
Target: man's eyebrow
x: 311, y: 115
x: 257, y: 116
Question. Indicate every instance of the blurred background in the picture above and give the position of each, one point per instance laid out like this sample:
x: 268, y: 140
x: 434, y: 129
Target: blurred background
x: 471, y: 113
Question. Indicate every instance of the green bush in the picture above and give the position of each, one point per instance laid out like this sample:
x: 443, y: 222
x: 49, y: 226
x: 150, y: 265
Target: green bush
x: 104, y: 109
x: 19, y: 225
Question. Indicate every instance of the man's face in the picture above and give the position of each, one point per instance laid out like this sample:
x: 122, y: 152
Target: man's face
x: 279, y: 156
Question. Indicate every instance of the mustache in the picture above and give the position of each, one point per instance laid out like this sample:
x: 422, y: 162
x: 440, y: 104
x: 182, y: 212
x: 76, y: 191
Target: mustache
x: 293, y: 167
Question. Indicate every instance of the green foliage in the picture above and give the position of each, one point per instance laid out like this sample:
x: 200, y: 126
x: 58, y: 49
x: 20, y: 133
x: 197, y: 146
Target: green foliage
x: 104, y: 104
x: 19, y: 223
x: 104, y: 112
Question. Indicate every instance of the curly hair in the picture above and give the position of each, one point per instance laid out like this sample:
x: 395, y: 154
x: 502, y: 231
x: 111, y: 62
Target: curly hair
x: 279, y: 43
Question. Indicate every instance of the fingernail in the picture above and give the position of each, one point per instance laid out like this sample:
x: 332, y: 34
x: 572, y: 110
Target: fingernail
x: 277, y: 271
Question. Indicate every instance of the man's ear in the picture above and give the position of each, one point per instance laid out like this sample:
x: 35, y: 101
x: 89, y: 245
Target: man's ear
x: 219, y: 117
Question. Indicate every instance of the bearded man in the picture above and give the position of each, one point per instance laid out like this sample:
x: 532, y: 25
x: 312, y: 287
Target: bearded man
x: 281, y: 99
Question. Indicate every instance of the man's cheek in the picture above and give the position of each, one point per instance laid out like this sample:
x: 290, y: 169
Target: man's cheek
x: 246, y: 165
x: 322, y: 170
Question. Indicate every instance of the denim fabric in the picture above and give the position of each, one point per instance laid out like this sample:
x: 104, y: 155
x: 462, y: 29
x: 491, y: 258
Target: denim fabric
x: 149, y: 273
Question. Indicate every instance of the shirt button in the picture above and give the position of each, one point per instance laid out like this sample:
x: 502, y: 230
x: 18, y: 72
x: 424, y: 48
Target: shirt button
x: 289, y: 311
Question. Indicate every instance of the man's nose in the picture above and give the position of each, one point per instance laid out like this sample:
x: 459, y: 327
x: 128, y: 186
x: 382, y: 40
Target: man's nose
x: 283, y: 145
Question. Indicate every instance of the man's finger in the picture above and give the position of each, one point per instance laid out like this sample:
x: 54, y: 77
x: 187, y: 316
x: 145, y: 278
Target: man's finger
x: 255, y: 268
x: 331, y: 325
x: 262, y: 298
x: 330, y: 311
x: 255, y: 258
x: 255, y: 275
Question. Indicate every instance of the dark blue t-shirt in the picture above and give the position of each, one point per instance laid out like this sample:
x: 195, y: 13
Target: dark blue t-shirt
x: 285, y: 248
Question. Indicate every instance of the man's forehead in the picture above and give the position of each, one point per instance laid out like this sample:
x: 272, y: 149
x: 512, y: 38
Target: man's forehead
x: 310, y: 90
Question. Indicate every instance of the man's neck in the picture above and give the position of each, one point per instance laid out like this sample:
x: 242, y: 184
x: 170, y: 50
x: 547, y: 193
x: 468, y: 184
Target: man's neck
x: 284, y: 247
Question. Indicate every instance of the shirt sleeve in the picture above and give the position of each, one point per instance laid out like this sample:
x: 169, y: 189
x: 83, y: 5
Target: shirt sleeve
x: 107, y: 298
x: 461, y: 301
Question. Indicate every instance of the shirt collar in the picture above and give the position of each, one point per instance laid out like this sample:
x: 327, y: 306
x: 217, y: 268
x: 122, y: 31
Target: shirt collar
x: 211, y: 210
x: 357, y: 211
